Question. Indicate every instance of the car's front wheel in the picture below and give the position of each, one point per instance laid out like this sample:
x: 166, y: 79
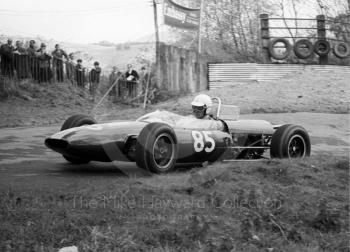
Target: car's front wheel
x: 76, y: 121
x: 156, y: 148
x: 290, y: 141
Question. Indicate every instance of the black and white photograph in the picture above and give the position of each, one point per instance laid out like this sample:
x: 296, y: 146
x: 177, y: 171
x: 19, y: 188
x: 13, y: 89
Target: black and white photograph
x: 175, y: 126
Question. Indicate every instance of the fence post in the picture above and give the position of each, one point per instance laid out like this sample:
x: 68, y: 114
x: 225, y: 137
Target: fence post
x: 208, y: 80
x: 264, y: 37
x: 321, y: 34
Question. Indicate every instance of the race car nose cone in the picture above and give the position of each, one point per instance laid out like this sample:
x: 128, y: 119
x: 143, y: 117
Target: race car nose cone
x: 56, y: 143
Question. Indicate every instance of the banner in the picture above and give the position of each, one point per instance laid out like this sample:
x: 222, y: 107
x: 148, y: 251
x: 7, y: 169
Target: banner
x: 180, y: 16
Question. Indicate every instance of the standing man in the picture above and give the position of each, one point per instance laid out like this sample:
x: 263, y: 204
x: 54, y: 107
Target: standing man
x: 44, y: 58
x: 143, y: 80
x: 6, y: 52
x: 94, y: 79
x: 33, y: 61
x: 57, y: 55
x: 131, y: 77
x: 80, y: 73
x: 21, y: 61
x: 70, y: 68
x: 114, y: 75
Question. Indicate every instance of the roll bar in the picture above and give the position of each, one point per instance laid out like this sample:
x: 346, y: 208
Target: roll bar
x: 218, y: 100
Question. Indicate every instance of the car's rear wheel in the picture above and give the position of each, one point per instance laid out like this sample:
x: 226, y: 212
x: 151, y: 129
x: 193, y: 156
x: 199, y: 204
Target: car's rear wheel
x: 156, y: 148
x: 290, y: 141
x: 77, y: 121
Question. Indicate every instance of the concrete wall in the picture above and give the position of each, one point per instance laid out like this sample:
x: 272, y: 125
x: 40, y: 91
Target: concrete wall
x: 181, y: 70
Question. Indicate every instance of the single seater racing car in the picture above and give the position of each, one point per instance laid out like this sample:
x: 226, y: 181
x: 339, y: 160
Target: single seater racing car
x: 160, y: 141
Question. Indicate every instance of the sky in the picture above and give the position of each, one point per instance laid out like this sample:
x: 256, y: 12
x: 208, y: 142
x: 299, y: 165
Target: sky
x: 78, y: 21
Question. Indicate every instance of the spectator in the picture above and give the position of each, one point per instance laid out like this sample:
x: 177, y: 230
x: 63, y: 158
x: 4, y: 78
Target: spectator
x: 80, y: 73
x: 131, y: 80
x: 44, y: 58
x: 19, y: 48
x: 33, y: 61
x: 143, y: 80
x: 114, y: 75
x: 94, y: 79
x: 148, y: 81
x: 57, y: 55
x: 21, y: 61
x: 6, y: 52
x: 70, y: 68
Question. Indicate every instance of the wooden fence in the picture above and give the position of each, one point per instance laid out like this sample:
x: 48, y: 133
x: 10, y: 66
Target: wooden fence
x: 181, y: 70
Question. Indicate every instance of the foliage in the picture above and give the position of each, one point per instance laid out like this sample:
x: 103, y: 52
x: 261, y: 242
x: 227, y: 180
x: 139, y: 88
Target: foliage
x: 231, y: 27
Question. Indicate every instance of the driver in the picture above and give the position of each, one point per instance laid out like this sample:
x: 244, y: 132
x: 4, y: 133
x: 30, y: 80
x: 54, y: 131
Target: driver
x: 201, y: 106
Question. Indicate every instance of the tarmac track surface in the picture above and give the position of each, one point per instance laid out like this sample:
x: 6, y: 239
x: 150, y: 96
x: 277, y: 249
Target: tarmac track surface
x: 25, y: 160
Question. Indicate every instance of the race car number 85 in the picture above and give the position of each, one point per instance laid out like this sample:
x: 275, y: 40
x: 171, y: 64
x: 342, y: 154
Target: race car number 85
x: 202, y: 141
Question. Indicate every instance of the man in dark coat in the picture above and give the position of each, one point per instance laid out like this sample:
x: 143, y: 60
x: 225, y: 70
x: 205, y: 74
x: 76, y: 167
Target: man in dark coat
x: 33, y: 60
x: 132, y: 78
x: 21, y: 61
x: 114, y: 76
x: 57, y: 55
x: 44, y: 58
x: 80, y: 73
x: 95, y: 79
x: 6, y: 52
x: 70, y: 68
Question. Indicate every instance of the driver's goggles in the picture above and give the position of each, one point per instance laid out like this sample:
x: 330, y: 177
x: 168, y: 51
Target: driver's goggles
x: 198, y: 108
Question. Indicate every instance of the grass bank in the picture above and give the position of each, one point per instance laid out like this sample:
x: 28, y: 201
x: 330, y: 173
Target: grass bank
x: 268, y: 205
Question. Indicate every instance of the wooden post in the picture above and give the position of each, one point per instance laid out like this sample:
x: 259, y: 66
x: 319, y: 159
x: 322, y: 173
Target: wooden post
x: 155, y: 20
x: 157, y: 45
x: 198, y: 68
x: 264, y: 37
x: 200, y: 28
x: 321, y: 34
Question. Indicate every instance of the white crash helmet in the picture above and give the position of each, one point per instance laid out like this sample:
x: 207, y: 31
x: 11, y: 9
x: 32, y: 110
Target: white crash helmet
x: 202, y: 100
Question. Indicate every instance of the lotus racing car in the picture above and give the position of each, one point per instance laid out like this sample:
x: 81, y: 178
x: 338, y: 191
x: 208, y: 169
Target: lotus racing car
x: 160, y: 141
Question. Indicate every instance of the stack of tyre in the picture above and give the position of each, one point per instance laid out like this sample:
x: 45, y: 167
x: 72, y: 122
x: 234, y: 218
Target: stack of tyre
x: 304, y: 48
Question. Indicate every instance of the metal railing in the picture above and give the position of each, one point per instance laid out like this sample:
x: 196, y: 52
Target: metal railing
x: 320, y: 29
x: 265, y: 20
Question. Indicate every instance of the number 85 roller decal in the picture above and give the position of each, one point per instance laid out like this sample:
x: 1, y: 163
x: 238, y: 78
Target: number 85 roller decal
x: 203, y: 141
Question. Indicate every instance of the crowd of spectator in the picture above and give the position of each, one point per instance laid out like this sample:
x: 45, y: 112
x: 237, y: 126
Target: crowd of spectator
x: 43, y: 66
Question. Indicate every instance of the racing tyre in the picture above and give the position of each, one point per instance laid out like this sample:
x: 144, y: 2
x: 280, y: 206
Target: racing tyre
x: 272, y: 51
x: 76, y: 121
x: 290, y: 141
x: 341, y: 50
x: 303, y: 49
x: 322, y: 47
x: 156, y: 148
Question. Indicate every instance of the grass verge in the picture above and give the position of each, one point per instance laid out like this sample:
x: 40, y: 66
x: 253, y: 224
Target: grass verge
x: 268, y: 205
